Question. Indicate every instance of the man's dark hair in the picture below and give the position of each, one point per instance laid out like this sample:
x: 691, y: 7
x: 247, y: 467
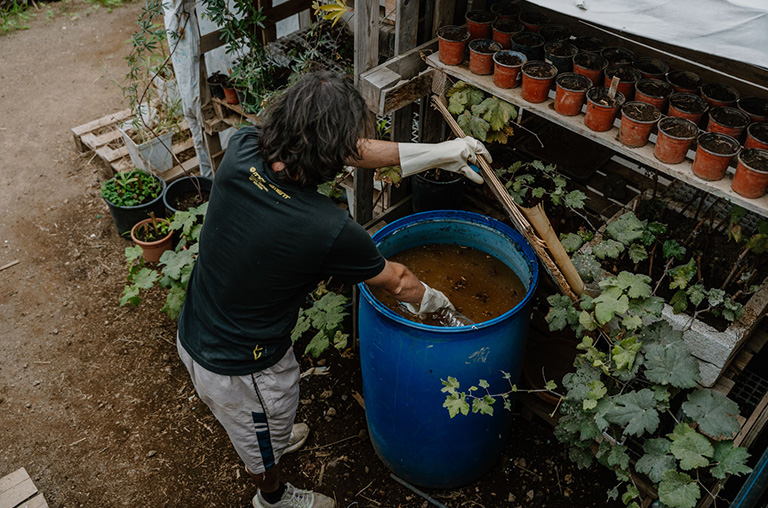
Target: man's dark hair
x: 313, y: 128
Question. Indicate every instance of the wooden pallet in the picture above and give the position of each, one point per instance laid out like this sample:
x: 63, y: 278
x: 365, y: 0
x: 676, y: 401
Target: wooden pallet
x: 17, y: 490
x: 104, y: 138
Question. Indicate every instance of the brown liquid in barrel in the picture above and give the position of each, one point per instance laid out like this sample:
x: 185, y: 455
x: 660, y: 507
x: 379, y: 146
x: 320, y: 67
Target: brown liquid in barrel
x: 479, y: 285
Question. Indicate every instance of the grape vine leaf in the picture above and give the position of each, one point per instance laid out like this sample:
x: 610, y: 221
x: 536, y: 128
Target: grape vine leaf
x: 174, y: 301
x: 656, y: 460
x: 483, y: 405
x: 575, y: 199
x: 636, y: 285
x: 635, y: 411
x: 730, y: 460
x: 632, y: 322
x: 714, y: 412
x: 474, y: 125
x: 626, y: 229
x: 611, y: 301
x: 673, y: 249
x: 678, y: 490
x: 561, y: 312
x: 696, y: 294
x: 456, y: 403
x: 624, y: 353
x: 587, y: 266
x: 571, y: 242
x: 340, y: 340
x: 679, y: 301
x: 318, y: 344
x: 637, y: 253
x: 681, y: 275
x: 145, y: 278
x: 659, y: 333
x: 689, y: 447
x: 607, y: 249
x: 496, y: 112
x: 302, y: 325
x: 629, y: 495
x: 715, y: 297
x: 327, y: 312
x: 671, y: 363
x: 582, y: 458
x: 577, y: 383
x: 131, y: 294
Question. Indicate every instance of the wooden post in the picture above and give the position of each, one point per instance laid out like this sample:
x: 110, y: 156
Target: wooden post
x: 431, y: 125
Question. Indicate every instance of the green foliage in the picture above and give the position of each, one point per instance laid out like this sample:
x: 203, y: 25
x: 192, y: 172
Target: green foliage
x: 714, y: 412
x: 131, y: 188
x: 14, y: 16
x: 326, y: 315
x: 730, y: 460
x: 531, y: 182
x: 486, y: 118
x: 678, y: 490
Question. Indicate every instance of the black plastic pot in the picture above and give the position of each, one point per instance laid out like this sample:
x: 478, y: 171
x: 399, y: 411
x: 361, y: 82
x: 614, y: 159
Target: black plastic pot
x: 185, y: 185
x: 125, y: 217
x: 427, y: 194
x: 215, y: 82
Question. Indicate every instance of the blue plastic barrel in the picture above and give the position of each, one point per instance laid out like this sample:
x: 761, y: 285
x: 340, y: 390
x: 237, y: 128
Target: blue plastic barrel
x: 403, y: 362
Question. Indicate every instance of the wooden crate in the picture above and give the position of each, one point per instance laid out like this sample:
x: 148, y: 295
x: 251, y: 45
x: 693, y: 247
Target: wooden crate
x: 104, y: 138
x: 17, y: 490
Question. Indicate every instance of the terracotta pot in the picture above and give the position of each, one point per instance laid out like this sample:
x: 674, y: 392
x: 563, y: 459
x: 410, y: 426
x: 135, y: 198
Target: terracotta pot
x: 479, y: 24
x: 714, y: 152
x: 536, y: 87
x: 674, y: 138
x: 589, y: 44
x: 590, y: 65
x: 601, y: 110
x: 506, y: 68
x: 555, y: 33
x: 504, y: 29
x: 718, y: 95
x: 651, y: 68
x: 755, y: 107
x: 757, y: 136
x: 506, y: 10
x: 230, y: 94
x: 653, y: 91
x: 627, y: 76
x: 571, y: 93
x: 529, y: 44
x: 687, y: 105
x: 151, y: 251
x: 452, y: 44
x: 481, y: 56
x: 751, y: 178
x: 560, y: 54
x: 533, y: 21
x: 618, y: 56
x: 727, y: 120
x: 636, y: 126
x: 684, y: 81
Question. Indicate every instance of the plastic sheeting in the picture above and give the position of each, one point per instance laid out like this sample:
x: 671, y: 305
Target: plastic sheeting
x: 734, y: 29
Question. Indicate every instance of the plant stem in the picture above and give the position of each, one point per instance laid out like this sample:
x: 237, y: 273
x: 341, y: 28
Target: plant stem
x: 735, y: 266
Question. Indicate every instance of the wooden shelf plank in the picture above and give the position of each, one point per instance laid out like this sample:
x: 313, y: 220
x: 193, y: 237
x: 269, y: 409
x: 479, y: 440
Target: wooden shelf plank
x: 643, y: 155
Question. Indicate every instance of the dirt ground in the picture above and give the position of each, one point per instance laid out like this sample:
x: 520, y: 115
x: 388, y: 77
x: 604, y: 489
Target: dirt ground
x: 94, y: 402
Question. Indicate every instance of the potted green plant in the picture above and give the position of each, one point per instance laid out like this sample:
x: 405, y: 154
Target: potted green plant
x: 481, y: 116
x: 153, y: 236
x: 132, y: 196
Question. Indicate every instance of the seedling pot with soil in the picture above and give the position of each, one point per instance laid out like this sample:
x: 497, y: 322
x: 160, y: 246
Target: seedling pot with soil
x: 529, y: 44
x: 533, y: 21
x: 153, y: 236
x: 481, y: 53
x: 727, y: 120
x: 506, y: 10
x: 618, y: 56
x: 653, y: 91
x: 131, y: 197
x: 751, y: 178
x: 560, y: 54
x: 571, y: 92
x: 687, y: 105
x: 188, y: 192
x: 589, y: 44
x: 537, y: 79
x: 602, y: 109
x: 757, y: 136
x: 674, y: 138
x: 651, y: 68
x: 504, y: 29
x: 590, y: 65
x: 555, y: 33
x: 718, y: 95
x: 479, y: 24
x: 436, y: 189
x: 637, y: 120
x: 714, y: 152
x: 215, y: 82
x: 153, y: 155
x: 230, y: 95
x: 684, y: 81
x: 755, y: 107
x: 507, y: 65
x: 627, y: 79
x: 452, y: 44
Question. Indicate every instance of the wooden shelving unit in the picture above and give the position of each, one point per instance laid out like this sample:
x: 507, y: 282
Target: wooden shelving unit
x: 643, y: 155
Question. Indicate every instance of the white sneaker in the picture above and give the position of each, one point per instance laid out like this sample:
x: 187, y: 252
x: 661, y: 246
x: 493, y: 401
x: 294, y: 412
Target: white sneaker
x: 299, y: 434
x: 296, y: 498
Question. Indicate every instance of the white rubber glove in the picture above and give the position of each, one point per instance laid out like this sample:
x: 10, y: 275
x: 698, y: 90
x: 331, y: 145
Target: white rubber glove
x: 432, y: 301
x: 455, y: 155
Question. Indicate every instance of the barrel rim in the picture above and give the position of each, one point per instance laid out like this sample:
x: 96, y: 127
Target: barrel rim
x: 477, y: 218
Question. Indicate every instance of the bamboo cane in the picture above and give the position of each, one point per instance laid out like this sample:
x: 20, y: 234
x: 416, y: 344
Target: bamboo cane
x: 517, y: 218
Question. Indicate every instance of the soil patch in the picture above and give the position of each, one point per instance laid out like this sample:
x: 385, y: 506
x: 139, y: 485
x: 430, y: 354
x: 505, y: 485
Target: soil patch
x: 589, y: 61
x: 555, y: 33
x: 540, y: 70
x: 718, y: 144
x: 484, y: 47
x: 654, y: 88
x: 679, y: 129
x: 641, y: 111
x: 561, y: 49
x: 688, y: 103
x: 600, y: 96
x: 684, y: 79
x: 574, y: 83
x: 650, y: 66
x: 754, y: 106
x: 454, y: 34
x: 508, y: 26
x: 625, y: 74
x: 528, y: 39
x: 588, y: 44
x: 729, y: 117
x: 759, y: 131
x: 481, y: 16
x: 508, y: 59
x: 618, y: 56
x: 720, y: 92
x: 191, y: 199
x: 755, y: 159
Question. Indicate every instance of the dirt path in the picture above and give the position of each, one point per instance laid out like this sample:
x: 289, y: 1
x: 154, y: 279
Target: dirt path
x: 93, y: 400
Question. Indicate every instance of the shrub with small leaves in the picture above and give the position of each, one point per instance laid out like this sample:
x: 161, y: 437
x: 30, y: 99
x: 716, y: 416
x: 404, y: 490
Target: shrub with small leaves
x: 486, y: 118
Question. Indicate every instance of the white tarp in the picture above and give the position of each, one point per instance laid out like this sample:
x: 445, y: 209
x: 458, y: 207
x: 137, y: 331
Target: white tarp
x: 734, y: 29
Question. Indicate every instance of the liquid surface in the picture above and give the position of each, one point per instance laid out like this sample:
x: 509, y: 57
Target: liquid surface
x: 480, y: 286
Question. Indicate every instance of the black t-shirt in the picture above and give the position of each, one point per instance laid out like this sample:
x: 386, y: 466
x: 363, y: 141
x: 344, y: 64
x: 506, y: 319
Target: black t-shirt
x: 264, y: 245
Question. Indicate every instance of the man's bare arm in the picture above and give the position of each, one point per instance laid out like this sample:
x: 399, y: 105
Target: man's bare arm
x: 397, y: 280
